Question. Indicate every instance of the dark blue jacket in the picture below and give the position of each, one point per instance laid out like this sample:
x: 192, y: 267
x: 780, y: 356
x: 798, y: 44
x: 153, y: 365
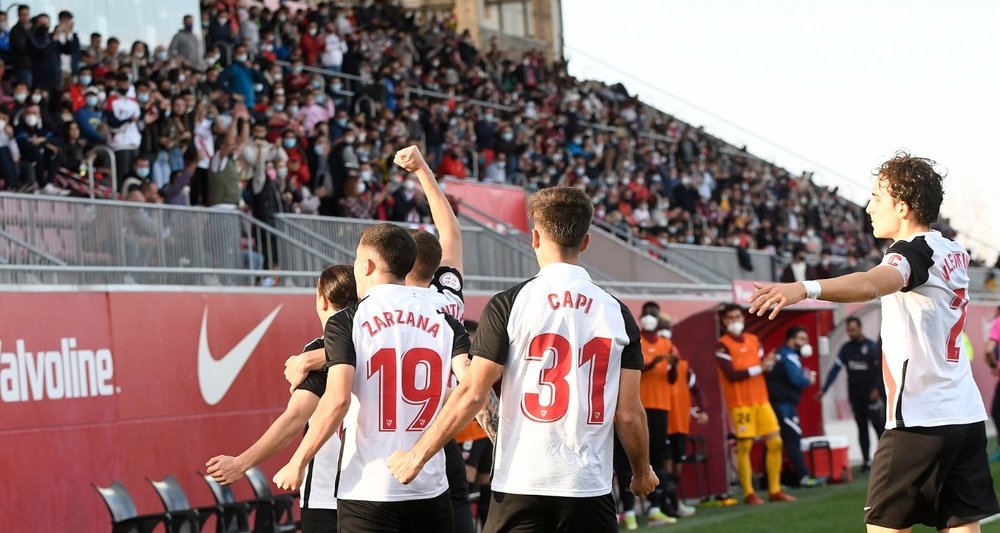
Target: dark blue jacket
x: 787, y: 380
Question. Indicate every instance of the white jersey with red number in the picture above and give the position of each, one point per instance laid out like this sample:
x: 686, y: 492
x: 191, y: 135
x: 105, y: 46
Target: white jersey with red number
x: 928, y: 378
x: 563, y: 342
x: 401, y: 347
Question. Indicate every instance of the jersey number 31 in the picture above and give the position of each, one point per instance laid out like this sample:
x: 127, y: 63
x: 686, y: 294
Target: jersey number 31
x: 596, y: 352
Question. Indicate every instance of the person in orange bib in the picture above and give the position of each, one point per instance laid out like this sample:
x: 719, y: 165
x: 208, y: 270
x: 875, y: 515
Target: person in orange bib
x: 683, y: 388
x: 741, y: 362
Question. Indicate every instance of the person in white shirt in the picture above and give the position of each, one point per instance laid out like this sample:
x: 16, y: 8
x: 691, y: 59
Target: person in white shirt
x: 394, y: 351
x: 931, y: 466
x: 570, y: 359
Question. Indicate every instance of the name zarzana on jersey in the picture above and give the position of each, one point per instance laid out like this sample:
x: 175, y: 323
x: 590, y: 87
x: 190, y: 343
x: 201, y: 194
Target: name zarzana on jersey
x: 68, y: 373
x: 400, y: 317
x: 582, y: 301
x: 953, y: 262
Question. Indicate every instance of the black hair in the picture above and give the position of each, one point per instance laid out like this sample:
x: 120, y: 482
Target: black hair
x: 793, y: 331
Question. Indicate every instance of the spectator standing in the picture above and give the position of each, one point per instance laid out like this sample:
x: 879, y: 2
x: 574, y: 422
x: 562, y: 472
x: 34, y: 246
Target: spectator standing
x: 10, y: 155
x: 312, y: 44
x: 242, y: 77
x: 785, y: 383
x: 863, y: 360
x: 186, y: 46
x: 334, y: 49
x: 223, y: 189
x: 5, y: 54
x: 19, y: 36
x: 123, y: 114
x: 798, y: 269
x: 68, y: 38
x: 45, y: 53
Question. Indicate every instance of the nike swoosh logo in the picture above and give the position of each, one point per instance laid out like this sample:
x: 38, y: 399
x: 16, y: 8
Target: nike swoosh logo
x: 868, y: 509
x: 215, y: 376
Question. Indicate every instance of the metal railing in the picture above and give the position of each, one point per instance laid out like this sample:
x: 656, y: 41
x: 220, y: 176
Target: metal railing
x: 485, y: 253
x: 85, y: 232
x: 14, y: 250
x: 26, y: 275
x: 725, y: 261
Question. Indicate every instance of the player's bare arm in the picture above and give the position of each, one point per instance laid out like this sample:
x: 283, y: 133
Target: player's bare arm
x: 297, y: 367
x: 467, y: 400
x: 489, y: 416
x: 856, y: 287
x: 630, y: 423
x: 328, y: 418
x: 449, y: 231
x: 226, y: 469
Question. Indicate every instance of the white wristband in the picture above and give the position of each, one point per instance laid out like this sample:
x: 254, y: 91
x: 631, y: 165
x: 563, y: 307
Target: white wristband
x: 755, y: 370
x: 813, y: 289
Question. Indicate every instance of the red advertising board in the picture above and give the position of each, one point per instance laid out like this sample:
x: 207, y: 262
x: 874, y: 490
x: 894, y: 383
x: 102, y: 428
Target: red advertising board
x: 103, y: 386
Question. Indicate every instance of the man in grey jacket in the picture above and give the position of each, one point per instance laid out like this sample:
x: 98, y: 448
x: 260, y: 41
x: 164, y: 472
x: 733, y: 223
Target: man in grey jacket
x: 186, y: 45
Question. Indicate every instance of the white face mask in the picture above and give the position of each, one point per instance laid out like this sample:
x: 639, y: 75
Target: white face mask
x: 31, y: 120
x: 736, y: 328
x: 806, y: 350
x: 666, y: 333
x: 649, y: 322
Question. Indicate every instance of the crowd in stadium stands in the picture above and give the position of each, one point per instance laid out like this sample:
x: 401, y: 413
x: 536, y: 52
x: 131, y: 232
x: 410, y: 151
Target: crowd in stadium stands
x: 251, y: 124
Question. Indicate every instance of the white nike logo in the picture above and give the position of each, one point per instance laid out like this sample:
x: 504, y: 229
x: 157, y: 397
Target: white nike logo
x: 868, y: 509
x: 215, y: 376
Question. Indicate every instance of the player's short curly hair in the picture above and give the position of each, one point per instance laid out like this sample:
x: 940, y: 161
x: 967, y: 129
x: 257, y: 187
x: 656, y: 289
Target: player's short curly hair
x: 562, y: 214
x: 913, y: 181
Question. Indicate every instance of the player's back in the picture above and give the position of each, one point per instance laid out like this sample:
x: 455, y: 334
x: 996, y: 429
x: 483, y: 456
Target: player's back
x: 928, y: 375
x: 564, y: 338
x: 403, y: 349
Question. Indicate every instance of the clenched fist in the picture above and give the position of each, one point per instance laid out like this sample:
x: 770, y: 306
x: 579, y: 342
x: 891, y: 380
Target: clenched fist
x: 410, y: 159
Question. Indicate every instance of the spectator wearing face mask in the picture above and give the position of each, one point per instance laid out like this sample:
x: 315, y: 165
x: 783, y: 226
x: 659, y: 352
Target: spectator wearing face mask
x: 185, y: 45
x: 123, y: 115
x: 220, y: 30
x: 39, y: 152
x: 20, y: 51
x: 141, y: 172
x: 334, y: 49
x: 452, y: 165
x: 317, y: 109
x: 409, y: 204
x: 312, y: 44
x: 257, y: 155
x: 90, y: 118
x: 10, y: 155
x: 242, y: 77
x: 798, y: 269
x: 785, y: 383
x: 45, y: 52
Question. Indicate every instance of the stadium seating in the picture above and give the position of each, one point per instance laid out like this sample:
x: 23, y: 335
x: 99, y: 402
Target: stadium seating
x: 175, y: 502
x: 124, y: 517
x: 235, y: 515
x: 274, y: 512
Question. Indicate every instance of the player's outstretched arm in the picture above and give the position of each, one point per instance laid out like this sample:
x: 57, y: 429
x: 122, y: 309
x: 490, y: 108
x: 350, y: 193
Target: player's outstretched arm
x: 630, y: 423
x: 856, y: 287
x: 327, y: 420
x: 227, y: 470
x: 449, y: 231
x: 467, y: 400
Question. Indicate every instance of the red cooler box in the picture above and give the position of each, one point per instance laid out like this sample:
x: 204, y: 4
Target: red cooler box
x: 826, y: 456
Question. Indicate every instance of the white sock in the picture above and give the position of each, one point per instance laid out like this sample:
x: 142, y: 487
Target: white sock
x: 630, y: 514
x: 654, y: 510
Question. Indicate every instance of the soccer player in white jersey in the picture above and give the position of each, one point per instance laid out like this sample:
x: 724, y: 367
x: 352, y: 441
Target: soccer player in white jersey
x: 570, y: 359
x: 393, y: 350
x: 931, y: 466
x: 438, y: 270
x: 335, y: 291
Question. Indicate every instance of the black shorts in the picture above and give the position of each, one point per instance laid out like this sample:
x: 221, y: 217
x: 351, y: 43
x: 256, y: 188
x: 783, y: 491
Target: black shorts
x: 518, y: 513
x: 432, y: 515
x: 319, y: 520
x: 936, y: 476
x: 478, y: 454
x: 678, y: 447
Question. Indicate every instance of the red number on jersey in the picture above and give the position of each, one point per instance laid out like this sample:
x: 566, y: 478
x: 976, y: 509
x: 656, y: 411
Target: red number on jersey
x: 960, y: 301
x: 552, y: 378
x: 427, y: 393
x: 597, y: 352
